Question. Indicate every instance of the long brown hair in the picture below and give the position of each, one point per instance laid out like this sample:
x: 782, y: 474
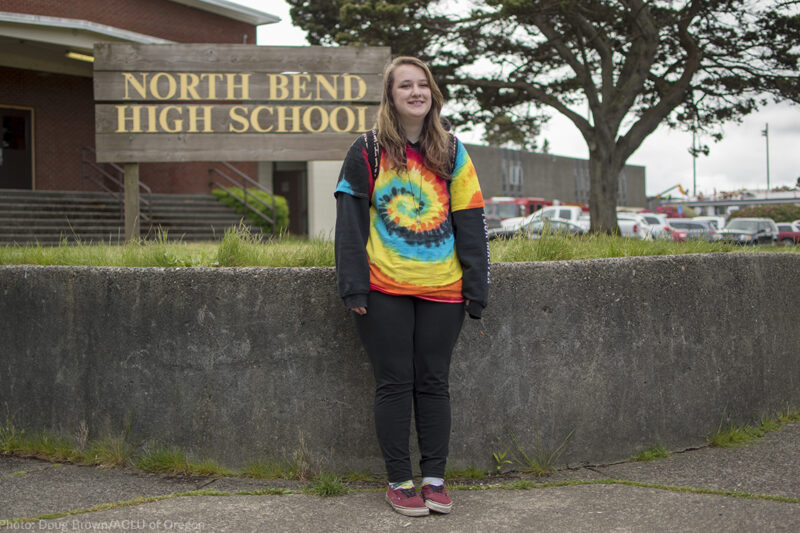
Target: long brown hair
x: 434, y: 139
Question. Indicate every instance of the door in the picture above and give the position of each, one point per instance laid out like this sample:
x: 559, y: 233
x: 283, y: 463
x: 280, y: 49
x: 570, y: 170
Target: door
x: 292, y: 185
x: 16, y: 148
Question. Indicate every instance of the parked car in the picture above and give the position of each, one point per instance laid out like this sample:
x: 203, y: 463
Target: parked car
x: 658, y: 223
x: 750, y: 231
x: 535, y: 228
x: 688, y: 228
x: 717, y: 221
x: 571, y: 213
x: 788, y: 233
x: 642, y: 229
x: 499, y: 208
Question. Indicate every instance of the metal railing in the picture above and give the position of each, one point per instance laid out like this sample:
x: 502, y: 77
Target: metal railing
x: 89, y: 164
x: 246, y: 181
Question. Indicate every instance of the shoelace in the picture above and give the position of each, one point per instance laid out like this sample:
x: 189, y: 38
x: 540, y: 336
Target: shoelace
x: 408, y: 493
x: 437, y: 488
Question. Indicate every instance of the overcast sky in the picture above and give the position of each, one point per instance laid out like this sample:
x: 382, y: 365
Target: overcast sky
x: 738, y: 161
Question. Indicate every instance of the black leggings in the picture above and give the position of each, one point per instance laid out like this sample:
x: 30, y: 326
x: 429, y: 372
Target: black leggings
x: 409, y: 342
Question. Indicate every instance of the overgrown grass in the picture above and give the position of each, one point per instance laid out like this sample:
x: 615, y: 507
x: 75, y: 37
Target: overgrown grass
x: 239, y: 248
x: 328, y: 485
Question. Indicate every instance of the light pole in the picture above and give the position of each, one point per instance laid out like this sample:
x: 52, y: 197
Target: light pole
x: 695, y: 151
x: 765, y: 133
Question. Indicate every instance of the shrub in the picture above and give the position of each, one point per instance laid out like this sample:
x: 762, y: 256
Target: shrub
x: 777, y: 212
x: 281, y: 215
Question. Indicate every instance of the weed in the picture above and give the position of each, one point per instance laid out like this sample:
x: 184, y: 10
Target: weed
x: 327, y: 485
x: 110, y: 451
x: 541, y: 462
x: 268, y: 469
x: 209, y: 468
x: 654, y: 452
x: 351, y: 477
x: 500, y: 460
x: 265, y: 492
x: 164, y: 460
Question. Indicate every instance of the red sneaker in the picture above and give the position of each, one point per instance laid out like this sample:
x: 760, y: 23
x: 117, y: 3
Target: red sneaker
x: 436, y: 498
x: 406, y: 502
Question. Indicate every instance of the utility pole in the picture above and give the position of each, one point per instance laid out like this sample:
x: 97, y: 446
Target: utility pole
x: 765, y: 133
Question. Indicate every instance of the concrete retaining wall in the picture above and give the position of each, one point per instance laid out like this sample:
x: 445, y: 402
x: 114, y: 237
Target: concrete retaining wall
x: 235, y: 364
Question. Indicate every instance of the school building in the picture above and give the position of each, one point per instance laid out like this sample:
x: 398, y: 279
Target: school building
x: 48, y: 120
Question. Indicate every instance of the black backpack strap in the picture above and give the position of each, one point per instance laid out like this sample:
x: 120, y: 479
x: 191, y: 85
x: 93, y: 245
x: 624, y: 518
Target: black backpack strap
x: 374, y: 155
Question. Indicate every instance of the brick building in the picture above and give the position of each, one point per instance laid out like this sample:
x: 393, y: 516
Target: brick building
x: 46, y: 92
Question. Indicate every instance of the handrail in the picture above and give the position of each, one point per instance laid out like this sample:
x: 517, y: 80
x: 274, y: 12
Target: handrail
x: 247, y: 180
x: 86, y: 161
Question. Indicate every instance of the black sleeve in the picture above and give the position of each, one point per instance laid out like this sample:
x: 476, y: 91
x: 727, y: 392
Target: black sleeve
x: 472, y: 248
x: 352, y: 227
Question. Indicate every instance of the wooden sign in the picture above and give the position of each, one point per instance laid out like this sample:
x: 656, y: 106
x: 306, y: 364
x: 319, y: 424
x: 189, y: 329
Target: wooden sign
x: 224, y: 102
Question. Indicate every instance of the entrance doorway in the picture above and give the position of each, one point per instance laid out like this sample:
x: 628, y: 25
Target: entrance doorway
x: 290, y: 180
x: 16, y: 148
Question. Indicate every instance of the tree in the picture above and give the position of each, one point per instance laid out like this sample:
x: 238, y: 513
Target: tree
x: 616, y: 68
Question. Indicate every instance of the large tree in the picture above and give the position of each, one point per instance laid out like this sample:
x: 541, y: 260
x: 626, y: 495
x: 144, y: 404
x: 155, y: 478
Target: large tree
x: 616, y: 68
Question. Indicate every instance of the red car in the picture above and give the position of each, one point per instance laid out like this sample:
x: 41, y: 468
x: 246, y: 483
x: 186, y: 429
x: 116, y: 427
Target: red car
x: 788, y: 233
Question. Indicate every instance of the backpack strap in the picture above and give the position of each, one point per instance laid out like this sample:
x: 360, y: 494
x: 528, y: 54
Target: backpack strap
x: 374, y: 155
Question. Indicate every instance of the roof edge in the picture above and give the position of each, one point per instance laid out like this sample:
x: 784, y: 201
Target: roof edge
x: 81, y: 25
x: 232, y: 11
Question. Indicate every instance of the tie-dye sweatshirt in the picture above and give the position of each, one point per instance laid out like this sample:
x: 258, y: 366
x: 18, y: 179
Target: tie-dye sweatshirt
x: 410, y: 232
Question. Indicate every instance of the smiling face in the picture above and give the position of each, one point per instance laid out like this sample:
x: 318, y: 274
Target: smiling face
x: 411, y: 93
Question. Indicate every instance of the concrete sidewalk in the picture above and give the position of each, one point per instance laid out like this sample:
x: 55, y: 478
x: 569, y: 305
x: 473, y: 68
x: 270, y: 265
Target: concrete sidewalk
x: 755, y: 487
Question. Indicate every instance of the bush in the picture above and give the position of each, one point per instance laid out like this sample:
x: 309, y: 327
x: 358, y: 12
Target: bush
x: 777, y: 212
x: 281, y: 215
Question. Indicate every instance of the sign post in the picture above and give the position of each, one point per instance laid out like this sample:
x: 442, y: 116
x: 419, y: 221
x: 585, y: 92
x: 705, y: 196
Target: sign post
x: 132, y: 201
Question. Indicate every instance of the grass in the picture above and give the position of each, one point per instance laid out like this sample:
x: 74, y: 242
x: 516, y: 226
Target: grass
x: 470, y: 472
x: 540, y: 461
x: 654, y: 452
x: 240, y: 248
x: 327, y: 485
x: 732, y: 435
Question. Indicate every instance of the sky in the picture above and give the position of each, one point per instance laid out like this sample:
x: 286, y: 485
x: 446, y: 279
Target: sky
x: 738, y: 161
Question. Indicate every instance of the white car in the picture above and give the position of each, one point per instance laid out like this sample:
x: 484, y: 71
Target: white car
x: 658, y: 223
x: 641, y: 229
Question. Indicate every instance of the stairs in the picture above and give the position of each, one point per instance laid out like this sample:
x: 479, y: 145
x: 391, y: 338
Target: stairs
x: 50, y: 217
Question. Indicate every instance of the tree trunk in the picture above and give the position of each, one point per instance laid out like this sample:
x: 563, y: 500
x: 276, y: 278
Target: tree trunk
x: 604, y: 169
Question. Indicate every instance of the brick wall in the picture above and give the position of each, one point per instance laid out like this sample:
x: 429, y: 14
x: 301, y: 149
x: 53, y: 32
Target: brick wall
x: 159, y: 18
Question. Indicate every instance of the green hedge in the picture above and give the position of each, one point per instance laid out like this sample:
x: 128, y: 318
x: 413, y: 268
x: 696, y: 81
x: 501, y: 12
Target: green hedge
x: 281, y: 215
x: 777, y: 212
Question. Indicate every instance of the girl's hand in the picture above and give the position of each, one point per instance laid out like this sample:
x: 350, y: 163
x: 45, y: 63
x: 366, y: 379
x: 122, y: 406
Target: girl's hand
x: 359, y: 310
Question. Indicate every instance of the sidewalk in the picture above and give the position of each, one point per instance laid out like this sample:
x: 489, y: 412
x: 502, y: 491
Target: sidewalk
x: 643, y: 497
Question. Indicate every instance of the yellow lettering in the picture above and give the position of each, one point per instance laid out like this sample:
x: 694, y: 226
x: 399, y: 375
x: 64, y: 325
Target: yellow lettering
x: 299, y: 86
x: 130, y: 80
x: 234, y: 115
x: 189, y: 83
x: 172, y: 86
x: 362, y: 118
x: 176, y: 125
x: 278, y: 89
x: 212, y: 83
x: 135, y: 117
x: 331, y: 88
x: 351, y: 119
x: 323, y: 120
x: 243, y: 85
x: 254, y: 118
x: 348, y: 87
x: 206, y: 118
x: 295, y: 118
x: 152, y: 124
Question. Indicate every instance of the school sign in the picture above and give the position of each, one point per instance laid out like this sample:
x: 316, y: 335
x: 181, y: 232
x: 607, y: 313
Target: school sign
x: 218, y: 102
